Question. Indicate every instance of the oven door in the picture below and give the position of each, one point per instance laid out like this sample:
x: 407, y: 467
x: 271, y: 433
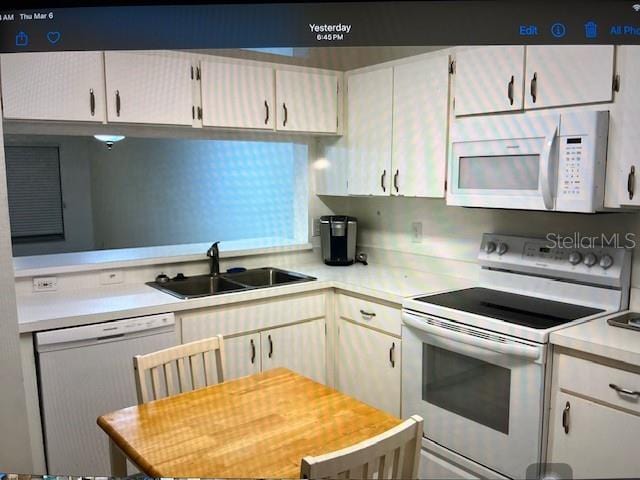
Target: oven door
x: 518, y: 173
x: 481, y: 394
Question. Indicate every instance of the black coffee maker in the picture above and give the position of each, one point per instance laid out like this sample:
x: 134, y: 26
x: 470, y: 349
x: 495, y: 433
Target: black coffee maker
x: 338, y: 239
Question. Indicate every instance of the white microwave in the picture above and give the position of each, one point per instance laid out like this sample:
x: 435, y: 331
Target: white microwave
x: 531, y: 161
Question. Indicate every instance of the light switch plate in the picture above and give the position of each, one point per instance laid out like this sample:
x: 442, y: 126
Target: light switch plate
x: 110, y: 277
x: 45, y: 284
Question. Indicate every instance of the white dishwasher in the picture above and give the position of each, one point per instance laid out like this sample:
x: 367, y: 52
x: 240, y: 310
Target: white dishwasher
x: 85, y: 372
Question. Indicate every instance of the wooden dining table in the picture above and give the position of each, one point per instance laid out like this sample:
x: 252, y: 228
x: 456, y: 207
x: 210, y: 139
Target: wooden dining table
x: 252, y: 427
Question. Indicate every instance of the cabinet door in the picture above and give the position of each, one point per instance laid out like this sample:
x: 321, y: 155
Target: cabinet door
x: 148, y: 88
x: 299, y: 347
x: 623, y: 162
x: 489, y: 79
x: 369, y: 366
x: 369, y: 127
x: 601, y: 442
x: 307, y: 101
x: 568, y: 75
x: 53, y: 86
x: 420, y: 119
x: 242, y: 356
x: 237, y: 95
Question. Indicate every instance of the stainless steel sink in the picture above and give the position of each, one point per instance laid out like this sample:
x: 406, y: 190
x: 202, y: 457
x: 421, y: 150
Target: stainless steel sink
x: 197, y: 286
x: 267, y: 277
x: 206, y: 285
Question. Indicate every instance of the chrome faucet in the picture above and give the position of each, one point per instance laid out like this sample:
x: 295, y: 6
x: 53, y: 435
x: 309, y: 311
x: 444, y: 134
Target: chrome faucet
x: 214, y: 259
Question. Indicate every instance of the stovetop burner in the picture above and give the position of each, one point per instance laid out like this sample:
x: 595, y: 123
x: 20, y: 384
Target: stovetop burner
x: 510, y: 307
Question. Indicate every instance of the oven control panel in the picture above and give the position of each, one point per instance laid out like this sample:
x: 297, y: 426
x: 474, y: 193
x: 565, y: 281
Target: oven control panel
x: 563, y: 257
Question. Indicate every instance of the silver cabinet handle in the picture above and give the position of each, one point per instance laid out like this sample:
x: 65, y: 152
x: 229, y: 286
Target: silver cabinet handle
x: 118, y: 103
x: 534, y: 87
x: 392, y: 355
x: 625, y: 391
x: 270, y: 346
x: 395, y: 181
x: 510, y: 90
x: 92, y: 102
x: 253, y: 351
x: 266, y: 109
x: 286, y: 114
x: 367, y: 314
x: 631, y: 182
x: 565, y: 417
x: 382, y: 177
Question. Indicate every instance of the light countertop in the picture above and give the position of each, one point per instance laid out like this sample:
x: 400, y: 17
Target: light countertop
x: 50, y: 310
x: 597, y: 337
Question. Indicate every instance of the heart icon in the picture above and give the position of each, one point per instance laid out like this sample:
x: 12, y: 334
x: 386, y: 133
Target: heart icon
x: 53, y: 37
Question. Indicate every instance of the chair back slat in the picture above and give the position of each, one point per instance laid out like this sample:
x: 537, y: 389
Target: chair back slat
x: 155, y: 372
x: 393, y: 454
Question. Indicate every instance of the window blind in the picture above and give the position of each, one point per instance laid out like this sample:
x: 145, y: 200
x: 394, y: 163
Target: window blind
x: 35, y: 193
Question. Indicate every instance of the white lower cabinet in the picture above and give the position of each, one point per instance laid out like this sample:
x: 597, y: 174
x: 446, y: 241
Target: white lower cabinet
x: 594, y: 423
x: 242, y: 355
x: 259, y: 335
x: 299, y: 347
x: 369, y: 366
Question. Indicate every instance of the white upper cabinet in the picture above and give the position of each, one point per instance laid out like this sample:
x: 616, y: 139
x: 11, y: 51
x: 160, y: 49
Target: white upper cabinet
x: 420, y: 119
x: 568, y: 75
x: 369, y: 131
x: 148, y: 88
x: 53, y: 86
x: 236, y: 95
x: 623, y: 161
x: 489, y: 79
x: 307, y: 101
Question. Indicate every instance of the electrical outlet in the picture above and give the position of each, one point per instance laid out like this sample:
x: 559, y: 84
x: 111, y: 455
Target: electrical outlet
x: 416, y: 232
x: 45, y: 284
x: 109, y: 277
x: 315, y: 229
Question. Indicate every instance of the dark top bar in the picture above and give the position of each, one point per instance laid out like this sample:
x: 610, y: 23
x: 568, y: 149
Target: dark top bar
x: 320, y: 24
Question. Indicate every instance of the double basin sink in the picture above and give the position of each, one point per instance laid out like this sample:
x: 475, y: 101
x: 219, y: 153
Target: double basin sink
x: 206, y: 285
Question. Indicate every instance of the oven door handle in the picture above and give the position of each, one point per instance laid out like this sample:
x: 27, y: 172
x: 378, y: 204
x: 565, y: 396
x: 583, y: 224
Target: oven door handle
x: 517, y: 350
x: 546, y: 169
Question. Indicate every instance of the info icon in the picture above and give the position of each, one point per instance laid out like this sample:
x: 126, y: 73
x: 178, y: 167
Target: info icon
x: 558, y: 30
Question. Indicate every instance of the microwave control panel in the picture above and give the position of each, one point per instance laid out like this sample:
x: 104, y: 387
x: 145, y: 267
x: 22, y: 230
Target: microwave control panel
x: 581, y: 154
x: 571, y: 176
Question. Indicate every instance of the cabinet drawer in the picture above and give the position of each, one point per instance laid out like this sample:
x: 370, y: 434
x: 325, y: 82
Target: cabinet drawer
x: 372, y: 314
x: 593, y: 380
x: 251, y: 316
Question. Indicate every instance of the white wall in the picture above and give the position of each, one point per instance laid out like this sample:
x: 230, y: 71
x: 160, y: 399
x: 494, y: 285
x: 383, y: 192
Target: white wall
x: 75, y: 179
x: 454, y: 232
x: 15, y: 449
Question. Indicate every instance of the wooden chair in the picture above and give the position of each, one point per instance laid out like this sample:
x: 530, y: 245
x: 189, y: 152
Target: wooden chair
x: 394, y: 454
x: 179, y: 369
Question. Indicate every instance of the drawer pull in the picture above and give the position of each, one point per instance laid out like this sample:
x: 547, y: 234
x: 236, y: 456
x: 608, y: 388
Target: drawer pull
x: 565, y: 417
x: 270, y: 346
x: 367, y: 314
x: 625, y: 391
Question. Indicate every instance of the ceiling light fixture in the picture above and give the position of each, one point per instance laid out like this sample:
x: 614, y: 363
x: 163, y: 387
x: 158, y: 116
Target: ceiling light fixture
x: 109, y: 140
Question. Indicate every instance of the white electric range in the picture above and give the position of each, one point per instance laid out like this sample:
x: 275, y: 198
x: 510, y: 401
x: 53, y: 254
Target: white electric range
x: 474, y: 360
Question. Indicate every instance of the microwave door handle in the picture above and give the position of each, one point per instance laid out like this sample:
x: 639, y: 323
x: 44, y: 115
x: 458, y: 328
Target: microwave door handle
x: 546, y: 169
x: 524, y: 351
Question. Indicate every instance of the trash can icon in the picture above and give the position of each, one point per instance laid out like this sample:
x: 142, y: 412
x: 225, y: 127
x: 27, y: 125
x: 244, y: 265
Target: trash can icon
x: 591, y: 29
